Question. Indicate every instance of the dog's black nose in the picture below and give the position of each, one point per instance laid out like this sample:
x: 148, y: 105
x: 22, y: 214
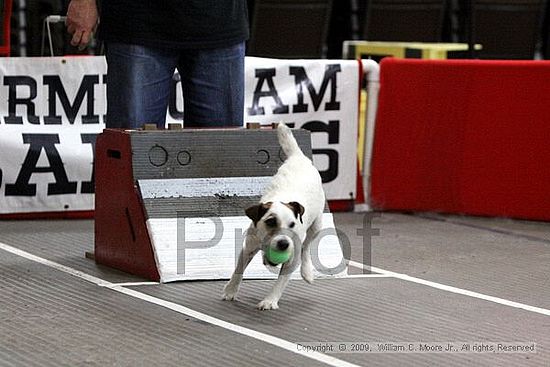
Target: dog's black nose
x: 282, y: 245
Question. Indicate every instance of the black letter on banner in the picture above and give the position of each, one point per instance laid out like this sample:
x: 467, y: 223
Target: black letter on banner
x: 13, y: 82
x: 266, y: 75
x: 301, y: 78
x: 333, y: 130
x: 55, y: 88
x: 22, y: 187
x: 88, y: 187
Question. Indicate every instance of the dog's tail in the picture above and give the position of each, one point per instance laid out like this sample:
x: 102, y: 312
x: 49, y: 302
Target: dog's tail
x: 287, y: 141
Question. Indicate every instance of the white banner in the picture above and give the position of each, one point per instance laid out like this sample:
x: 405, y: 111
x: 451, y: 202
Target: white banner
x: 51, y: 110
x: 320, y: 96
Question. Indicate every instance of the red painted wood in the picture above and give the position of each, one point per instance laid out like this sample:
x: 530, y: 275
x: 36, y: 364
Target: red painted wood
x: 463, y: 136
x: 121, y: 237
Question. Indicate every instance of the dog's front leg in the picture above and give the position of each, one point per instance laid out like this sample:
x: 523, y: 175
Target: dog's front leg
x: 271, y: 302
x: 250, y: 249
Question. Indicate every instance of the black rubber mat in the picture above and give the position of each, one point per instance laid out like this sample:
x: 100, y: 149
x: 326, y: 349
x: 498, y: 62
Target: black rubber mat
x: 50, y: 318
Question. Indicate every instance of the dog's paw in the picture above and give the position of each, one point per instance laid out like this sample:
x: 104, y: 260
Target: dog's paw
x: 268, y: 304
x: 307, y: 274
x: 229, y: 296
x: 229, y: 293
x: 308, y: 277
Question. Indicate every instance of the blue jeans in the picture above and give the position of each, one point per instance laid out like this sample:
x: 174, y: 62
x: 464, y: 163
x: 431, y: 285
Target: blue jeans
x: 139, y: 81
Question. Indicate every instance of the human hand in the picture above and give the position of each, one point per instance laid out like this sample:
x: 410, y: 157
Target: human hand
x: 82, y: 17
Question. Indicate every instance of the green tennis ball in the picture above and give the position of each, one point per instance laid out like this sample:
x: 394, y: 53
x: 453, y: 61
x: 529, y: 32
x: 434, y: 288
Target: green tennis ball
x: 277, y: 257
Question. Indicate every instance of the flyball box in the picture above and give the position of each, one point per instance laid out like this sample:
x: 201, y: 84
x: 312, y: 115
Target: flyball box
x: 170, y: 203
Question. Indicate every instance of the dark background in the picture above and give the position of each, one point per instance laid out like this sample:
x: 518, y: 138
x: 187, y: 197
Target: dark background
x: 507, y: 29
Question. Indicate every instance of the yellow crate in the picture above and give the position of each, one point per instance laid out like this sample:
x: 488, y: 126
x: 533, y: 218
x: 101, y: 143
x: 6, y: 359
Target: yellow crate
x: 417, y: 50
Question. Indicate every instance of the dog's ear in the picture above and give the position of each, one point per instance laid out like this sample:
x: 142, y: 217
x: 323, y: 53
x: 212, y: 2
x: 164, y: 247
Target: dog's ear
x: 256, y: 212
x: 298, y: 210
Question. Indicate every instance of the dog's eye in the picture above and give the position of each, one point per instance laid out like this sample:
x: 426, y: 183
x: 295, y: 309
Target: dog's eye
x: 271, y: 222
x: 291, y: 225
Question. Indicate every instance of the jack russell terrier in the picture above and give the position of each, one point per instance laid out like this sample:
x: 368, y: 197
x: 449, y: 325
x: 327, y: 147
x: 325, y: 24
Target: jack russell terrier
x: 287, y: 219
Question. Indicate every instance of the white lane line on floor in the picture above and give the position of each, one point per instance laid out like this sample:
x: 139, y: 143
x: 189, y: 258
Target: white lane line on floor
x: 129, y: 284
x: 51, y: 264
x: 353, y: 276
x: 452, y: 289
x: 266, y: 338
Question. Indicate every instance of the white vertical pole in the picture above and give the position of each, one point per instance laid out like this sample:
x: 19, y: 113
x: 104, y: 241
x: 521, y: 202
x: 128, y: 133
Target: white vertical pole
x: 372, y: 72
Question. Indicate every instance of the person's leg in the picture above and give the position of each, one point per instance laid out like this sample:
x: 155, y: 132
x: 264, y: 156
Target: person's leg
x: 213, y: 86
x: 138, y: 84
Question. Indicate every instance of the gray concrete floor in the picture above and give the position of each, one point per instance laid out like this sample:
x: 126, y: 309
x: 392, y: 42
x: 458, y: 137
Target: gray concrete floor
x: 463, y: 280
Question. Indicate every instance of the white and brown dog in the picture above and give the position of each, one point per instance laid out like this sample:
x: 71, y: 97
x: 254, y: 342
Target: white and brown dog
x: 287, y: 218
